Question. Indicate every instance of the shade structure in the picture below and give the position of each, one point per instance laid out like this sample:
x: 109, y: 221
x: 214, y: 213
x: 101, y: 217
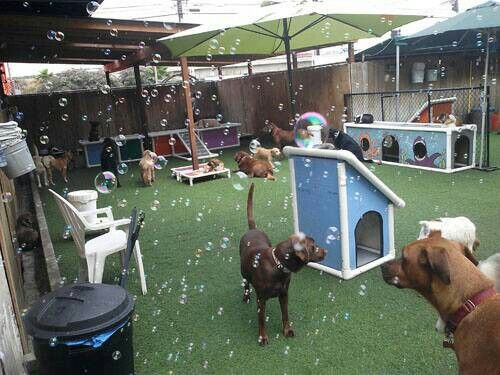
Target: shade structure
x: 280, y: 29
x: 481, y: 24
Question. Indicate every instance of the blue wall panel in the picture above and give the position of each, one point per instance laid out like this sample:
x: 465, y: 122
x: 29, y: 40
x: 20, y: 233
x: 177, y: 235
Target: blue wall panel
x: 318, y: 204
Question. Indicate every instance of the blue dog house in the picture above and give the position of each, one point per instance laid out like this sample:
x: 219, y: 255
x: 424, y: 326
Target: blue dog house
x: 348, y: 210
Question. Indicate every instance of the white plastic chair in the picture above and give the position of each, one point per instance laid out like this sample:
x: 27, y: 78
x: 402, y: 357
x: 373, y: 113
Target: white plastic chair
x: 95, y: 251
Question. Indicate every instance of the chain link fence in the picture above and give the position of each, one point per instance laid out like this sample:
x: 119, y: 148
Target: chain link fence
x: 465, y: 103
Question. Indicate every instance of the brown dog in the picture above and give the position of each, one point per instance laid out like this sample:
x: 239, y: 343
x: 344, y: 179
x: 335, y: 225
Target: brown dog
x: 281, y: 137
x: 262, y: 153
x: 464, y: 297
x: 269, y: 268
x: 61, y: 164
x: 213, y: 165
x: 147, y: 166
x: 253, y: 167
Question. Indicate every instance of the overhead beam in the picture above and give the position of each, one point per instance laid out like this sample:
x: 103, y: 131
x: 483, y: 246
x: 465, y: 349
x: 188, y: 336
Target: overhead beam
x: 66, y: 24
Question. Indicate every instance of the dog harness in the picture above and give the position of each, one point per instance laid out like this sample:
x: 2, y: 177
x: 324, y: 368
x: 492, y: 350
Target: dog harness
x: 279, y: 265
x: 465, y: 309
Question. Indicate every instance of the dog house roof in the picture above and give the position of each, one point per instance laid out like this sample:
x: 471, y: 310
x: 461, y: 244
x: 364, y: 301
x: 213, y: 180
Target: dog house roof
x: 350, y: 159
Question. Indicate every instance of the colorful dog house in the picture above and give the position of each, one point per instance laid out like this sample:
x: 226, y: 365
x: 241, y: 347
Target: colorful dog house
x: 131, y: 150
x: 435, y: 147
x: 212, y: 138
x: 344, y: 207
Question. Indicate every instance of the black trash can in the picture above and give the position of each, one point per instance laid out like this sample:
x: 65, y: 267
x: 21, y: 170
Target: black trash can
x: 83, y: 329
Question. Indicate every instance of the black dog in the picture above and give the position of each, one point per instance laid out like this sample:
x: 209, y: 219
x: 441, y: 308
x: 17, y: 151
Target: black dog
x: 27, y: 231
x: 109, y: 158
x: 343, y: 141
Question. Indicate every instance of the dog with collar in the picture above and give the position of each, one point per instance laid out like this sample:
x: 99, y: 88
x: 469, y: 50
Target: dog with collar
x: 269, y: 268
x: 445, y: 273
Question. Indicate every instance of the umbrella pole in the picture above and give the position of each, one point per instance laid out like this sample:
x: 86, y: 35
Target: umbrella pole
x: 484, y: 105
x: 189, y: 111
x: 286, y: 41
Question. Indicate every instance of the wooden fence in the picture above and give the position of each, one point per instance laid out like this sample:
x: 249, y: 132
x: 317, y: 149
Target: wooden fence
x: 254, y: 99
x: 250, y: 100
x: 117, y: 111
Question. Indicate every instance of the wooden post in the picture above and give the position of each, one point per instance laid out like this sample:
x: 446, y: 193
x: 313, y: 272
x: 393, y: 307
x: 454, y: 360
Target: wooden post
x: 350, y: 52
x: 250, y: 68
x: 108, y: 80
x: 140, y: 104
x: 189, y: 111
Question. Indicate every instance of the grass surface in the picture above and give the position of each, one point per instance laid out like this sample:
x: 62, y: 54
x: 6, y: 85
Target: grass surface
x: 338, y: 330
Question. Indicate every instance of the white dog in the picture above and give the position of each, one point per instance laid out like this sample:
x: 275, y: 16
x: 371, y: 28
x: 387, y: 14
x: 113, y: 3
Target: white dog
x: 458, y: 229
x: 491, y: 268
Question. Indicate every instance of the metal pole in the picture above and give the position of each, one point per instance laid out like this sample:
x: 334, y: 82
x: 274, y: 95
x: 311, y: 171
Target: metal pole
x: 189, y: 110
x: 286, y: 41
x: 483, y: 104
x: 397, y: 82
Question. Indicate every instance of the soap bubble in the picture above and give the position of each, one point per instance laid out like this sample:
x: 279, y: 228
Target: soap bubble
x: 254, y: 145
x: 198, y: 95
x: 387, y: 142
x: 44, y: 139
x: 92, y: 6
x: 167, y: 98
x: 59, y: 36
x: 116, y: 355
x: 64, y: 117
x: 122, y: 203
x: 19, y: 116
x: 122, y: 168
x: 105, y: 182
x: 120, y: 140
x: 156, y: 58
x: 240, y: 181
x: 6, y: 197
x: 171, y: 141
x: 113, y: 32
x: 154, y: 93
x: 65, y: 192
x: 155, y: 205
x: 163, y: 122
x: 160, y: 162
x: 218, y: 117
x: 53, y: 342
x: 306, y: 127
x: 183, y: 299
x: 105, y: 89
x: 144, y: 93
x: 213, y: 44
x: 63, y: 102
x: 51, y: 35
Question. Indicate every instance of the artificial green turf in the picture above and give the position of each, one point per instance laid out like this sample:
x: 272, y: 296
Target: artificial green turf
x: 387, y: 331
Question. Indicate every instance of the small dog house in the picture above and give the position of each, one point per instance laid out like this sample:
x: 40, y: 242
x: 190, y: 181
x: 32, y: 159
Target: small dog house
x: 346, y: 208
x: 436, y: 147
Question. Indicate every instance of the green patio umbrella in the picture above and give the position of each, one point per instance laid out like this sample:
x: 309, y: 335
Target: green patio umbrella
x: 457, y: 32
x: 283, y: 28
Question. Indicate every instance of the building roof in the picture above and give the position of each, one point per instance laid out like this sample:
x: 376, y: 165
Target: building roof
x: 350, y: 159
x: 64, y: 33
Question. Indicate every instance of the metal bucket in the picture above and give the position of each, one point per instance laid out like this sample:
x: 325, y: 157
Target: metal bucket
x: 18, y: 158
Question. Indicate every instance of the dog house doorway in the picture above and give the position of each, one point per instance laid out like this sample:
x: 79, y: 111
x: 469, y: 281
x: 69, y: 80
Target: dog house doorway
x: 369, y: 238
x: 390, y: 149
x: 462, y: 154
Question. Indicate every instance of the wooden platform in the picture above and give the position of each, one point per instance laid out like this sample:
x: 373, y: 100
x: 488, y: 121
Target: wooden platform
x: 187, y: 173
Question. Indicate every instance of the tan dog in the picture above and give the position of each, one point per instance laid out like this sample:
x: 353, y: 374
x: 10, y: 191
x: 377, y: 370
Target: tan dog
x: 147, y: 166
x: 281, y: 137
x: 464, y: 297
x: 253, y: 167
x: 60, y: 164
x: 213, y: 165
x: 262, y: 153
x: 449, y: 119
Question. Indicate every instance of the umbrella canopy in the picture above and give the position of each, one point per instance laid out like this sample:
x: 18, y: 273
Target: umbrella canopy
x: 306, y: 26
x: 483, y: 16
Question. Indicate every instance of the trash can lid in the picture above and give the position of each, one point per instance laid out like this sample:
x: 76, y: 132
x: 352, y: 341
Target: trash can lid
x: 82, y: 196
x: 78, y: 310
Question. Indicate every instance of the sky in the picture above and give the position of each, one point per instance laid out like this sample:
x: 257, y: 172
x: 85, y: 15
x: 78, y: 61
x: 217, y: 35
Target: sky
x: 216, y: 11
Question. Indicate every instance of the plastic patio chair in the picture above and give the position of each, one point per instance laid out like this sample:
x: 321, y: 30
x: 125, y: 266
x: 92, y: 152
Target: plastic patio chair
x: 95, y: 251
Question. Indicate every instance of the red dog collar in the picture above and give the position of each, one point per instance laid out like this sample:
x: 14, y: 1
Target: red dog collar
x: 469, y: 306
